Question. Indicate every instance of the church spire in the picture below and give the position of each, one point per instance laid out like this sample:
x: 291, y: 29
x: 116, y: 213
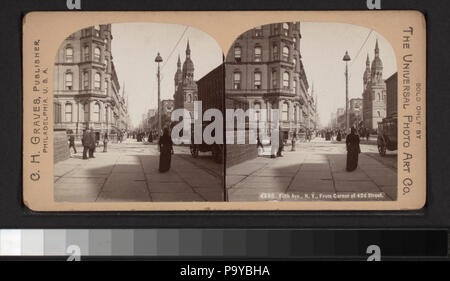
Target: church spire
x: 367, y: 61
x: 377, y: 50
x: 179, y: 62
x: 188, y: 50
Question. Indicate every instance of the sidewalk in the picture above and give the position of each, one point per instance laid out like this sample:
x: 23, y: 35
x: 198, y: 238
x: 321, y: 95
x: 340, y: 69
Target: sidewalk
x: 315, y: 167
x: 128, y: 172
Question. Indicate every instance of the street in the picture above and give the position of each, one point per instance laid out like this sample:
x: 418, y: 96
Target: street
x: 315, y: 171
x: 128, y: 172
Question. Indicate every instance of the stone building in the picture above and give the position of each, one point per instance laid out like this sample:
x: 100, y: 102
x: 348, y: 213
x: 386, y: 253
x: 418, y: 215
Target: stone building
x: 356, y: 112
x: 86, y: 88
x: 374, y: 94
x: 391, y: 95
x: 185, y: 86
x: 264, y: 68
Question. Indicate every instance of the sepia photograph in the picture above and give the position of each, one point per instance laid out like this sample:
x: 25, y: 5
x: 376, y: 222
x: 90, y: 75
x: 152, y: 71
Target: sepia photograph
x: 115, y: 88
x: 333, y: 87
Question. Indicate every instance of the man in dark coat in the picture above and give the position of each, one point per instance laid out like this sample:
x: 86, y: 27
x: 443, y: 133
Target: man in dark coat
x: 353, y: 150
x: 72, y: 142
x: 93, y: 142
x: 85, y: 141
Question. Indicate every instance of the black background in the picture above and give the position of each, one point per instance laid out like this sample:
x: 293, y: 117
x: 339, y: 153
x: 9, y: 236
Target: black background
x: 13, y: 214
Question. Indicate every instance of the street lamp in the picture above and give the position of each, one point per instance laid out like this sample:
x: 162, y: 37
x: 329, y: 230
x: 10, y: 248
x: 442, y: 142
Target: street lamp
x: 346, y: 59
x: 158, y: 59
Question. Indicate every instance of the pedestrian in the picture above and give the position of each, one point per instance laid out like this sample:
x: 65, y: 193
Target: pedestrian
x: 280, y: 145
x: 339, y: 136
x: 260, y: 146
x: 105, y: 142
x: 72, y: 141
x: 294, y: 140
x: 165, y: 151
x: 150, y: 137
x: 92, y: 142
x: 85, y: 141
x: 274, y: 142
x: 353, y: 150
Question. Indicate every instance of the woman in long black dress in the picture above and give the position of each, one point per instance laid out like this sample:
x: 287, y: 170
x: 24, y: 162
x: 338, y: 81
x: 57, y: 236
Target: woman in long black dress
x: 353, y: 150
x: 165, y: 148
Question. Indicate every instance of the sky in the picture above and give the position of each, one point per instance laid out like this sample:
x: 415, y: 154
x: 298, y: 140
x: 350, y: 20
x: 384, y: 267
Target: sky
x: 134, y: 48
x: 323, y: 46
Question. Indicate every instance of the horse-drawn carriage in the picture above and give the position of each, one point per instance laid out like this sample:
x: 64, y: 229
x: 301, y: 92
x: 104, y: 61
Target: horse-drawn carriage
x: 216, y: 149
x: 387, y: 135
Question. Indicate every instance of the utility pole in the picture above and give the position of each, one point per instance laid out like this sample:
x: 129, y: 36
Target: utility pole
x: 158, y: 59
x: 346, y: 59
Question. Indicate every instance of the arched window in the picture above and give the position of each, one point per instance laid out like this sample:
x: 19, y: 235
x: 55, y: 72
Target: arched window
x: 275, y: 52
x: 286, y: 78
x: 257, y: 79
x: 237, y: 80
x: 274, y: 79
x: 285, y: 29
x: 96, y: 113
x: 97, y: 80
x: 85, y: 80
x: 68, y: 112
x: 97, y: 54
x: 86, y: 112
x: 285, y: 112
x: 86, y: 53
x: 68, y: 80
x: 258, y: 53
x: 189, y: 98
x: 285, y: 53
x: 69, y: 54
x: 237, y: 53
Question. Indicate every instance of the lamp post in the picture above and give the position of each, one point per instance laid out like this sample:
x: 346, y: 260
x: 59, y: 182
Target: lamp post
x: 158, y: 59
x: 346, y: 59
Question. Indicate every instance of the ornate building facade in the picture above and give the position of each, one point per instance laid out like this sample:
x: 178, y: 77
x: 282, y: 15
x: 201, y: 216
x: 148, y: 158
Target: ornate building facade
x: 86, y: 88
x: 264, y: 69
x: 374, y: 94
x: 185, y: 86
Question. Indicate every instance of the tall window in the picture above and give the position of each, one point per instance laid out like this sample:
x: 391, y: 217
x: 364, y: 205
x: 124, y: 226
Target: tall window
x: 86, y: 53
x: 257, y: 108
x: 96, y: 113
x: 285, y: 53
x: 295, y: 87
x: 257, y: 80
x: 236, y: 80
x: 106, y: 64
x: 258, y: 53
x: 275, y: 52
x: 68, y: 112
x: 296, y: 113
x: 85, y: 80
x: 69, y: 54
x: 285, y: 29
x: 258, y: 31
x: 285, y: 112
x: 97, y: 54
x: 286, y: 77
x: 106, y: 87
x: 69, y: 81
x: 237, y: 53
x: 274, y: 79
x: 97, y: 79
x: 86, y: 112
